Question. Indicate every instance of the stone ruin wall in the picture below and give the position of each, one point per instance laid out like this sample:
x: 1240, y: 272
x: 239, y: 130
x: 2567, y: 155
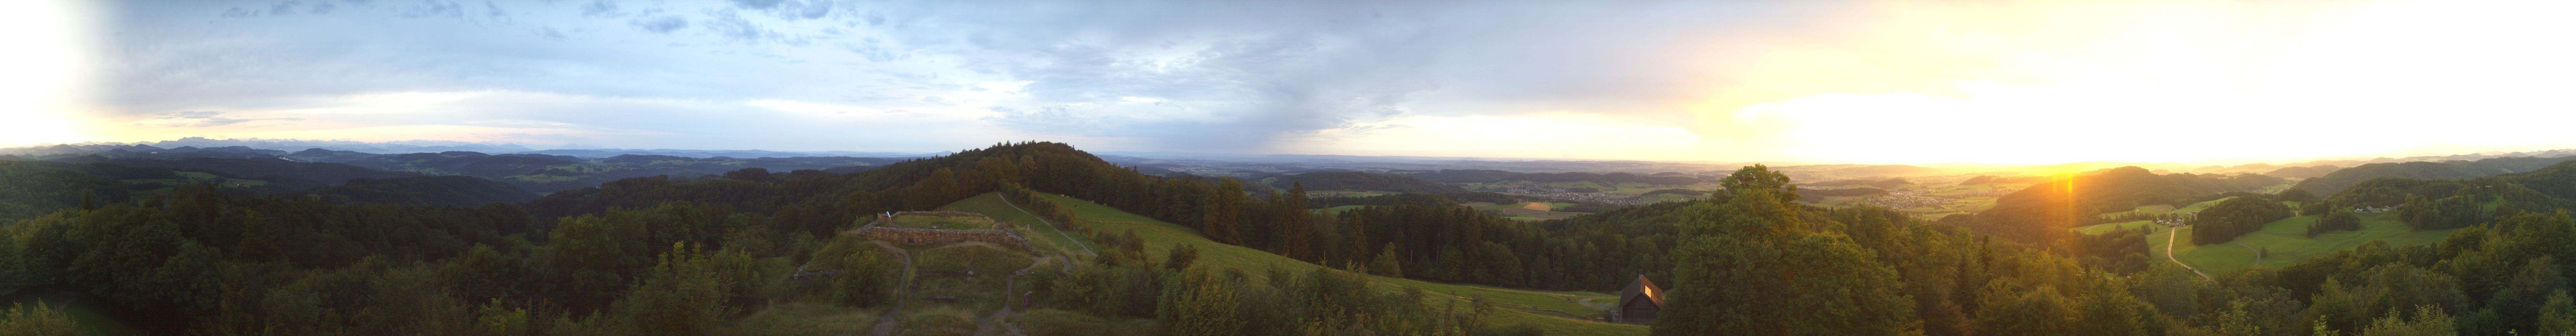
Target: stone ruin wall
x: 1001, y: 234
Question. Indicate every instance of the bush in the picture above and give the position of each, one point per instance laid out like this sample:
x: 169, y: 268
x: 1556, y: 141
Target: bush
x: 37, y: 319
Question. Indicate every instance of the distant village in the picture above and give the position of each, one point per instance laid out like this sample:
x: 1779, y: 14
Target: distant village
x: 1903, y: 199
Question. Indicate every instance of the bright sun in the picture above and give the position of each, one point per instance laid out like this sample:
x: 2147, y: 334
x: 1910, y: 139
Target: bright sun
x: 39, y: 90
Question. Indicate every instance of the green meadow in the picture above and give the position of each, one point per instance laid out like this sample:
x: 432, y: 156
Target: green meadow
x: 1558, y: 313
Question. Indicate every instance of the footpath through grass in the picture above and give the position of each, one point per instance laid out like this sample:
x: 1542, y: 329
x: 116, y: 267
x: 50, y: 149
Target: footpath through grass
x: 1045, y: 237
x: 2288, y: 242
x: 1549, y: 311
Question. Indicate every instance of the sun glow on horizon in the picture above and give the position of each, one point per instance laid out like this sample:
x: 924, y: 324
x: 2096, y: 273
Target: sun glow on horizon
x: 39, y: 89
x: 2058, y: 82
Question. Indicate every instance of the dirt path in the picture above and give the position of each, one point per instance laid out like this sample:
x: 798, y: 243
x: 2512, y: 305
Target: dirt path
x: 886, y: 324
x: 2169, y: 243
x: 2258, y: 253
x: 1086, y: 248
x: 996, y: 324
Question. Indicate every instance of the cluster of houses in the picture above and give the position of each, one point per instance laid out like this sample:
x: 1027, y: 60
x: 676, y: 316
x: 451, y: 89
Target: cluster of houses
x: 2376, y: 209
x: 2179, y: 219
x: 1908, y: 199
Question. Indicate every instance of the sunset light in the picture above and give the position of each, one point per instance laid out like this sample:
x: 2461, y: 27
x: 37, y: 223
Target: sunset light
x: 2157, y: 80
x: 1288, y: 167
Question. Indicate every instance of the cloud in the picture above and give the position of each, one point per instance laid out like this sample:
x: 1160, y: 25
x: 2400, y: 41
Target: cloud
x: 622, y: 122
x: 758, y: 4
x: 201, y: 119
x: 1272, y: 76
x: 732, y: 26
x: 600, y: 8
x: 431, y: 8
x: 283, y: 7
x: 661, y: 25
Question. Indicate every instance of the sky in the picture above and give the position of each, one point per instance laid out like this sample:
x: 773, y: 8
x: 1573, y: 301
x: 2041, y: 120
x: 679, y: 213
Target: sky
x: 1727, y: 81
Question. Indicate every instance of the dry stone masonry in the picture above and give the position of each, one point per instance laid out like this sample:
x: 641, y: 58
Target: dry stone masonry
x: 1002, y: 234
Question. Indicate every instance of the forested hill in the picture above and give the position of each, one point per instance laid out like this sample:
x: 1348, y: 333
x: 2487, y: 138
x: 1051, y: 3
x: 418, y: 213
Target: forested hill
x: 1487, y: 175
x: 2043, y: 211
x: 547, y: 173
x: 37, y: 187
x: 756, y: 251
x: 2335, y: 182
x: 531, y: 172
x: 251, y: 167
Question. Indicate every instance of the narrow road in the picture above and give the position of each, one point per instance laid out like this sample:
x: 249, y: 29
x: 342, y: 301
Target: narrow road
x: 2169, y: 243
x: 886, y: 324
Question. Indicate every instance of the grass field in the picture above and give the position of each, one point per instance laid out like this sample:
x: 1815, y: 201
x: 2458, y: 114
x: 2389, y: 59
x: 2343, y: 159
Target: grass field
x: 1042, y: 236
x: 1546, y: 310
x: 1522, y: 210
x: 942, y: 289
x: 1521, y: 205
x: 1965, y: 205
x: 2107, y: 227
x: 2288, y: 242
x: 983, y: 260
x: 2160, y: 209
x: 808, y: 319
x: 1324, y: 193
x: 942, y: 222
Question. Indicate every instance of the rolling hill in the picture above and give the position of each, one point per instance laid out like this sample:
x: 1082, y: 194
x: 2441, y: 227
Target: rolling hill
x: 2332, y: 183
x: 2046, y: 209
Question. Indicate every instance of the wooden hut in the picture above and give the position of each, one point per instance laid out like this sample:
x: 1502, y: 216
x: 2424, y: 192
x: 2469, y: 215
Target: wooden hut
x: 1639, y: 303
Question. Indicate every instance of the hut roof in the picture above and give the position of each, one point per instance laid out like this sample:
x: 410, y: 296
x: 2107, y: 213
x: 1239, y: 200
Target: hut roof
x: 1642, y: 287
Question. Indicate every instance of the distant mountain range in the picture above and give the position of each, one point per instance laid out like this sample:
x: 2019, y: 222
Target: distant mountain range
x: 435, y: 146
x: 535, y: 171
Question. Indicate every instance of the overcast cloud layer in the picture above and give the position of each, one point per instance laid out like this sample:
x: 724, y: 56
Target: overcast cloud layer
x: 933, y: 75
x: 1849, y: 81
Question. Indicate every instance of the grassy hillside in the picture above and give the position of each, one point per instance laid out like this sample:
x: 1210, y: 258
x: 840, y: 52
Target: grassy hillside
x: 2160, y: 209
x: 2288, y: 242
x: 1046, y: 238
x: 1559, y: 313
x: 2107, y: 227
